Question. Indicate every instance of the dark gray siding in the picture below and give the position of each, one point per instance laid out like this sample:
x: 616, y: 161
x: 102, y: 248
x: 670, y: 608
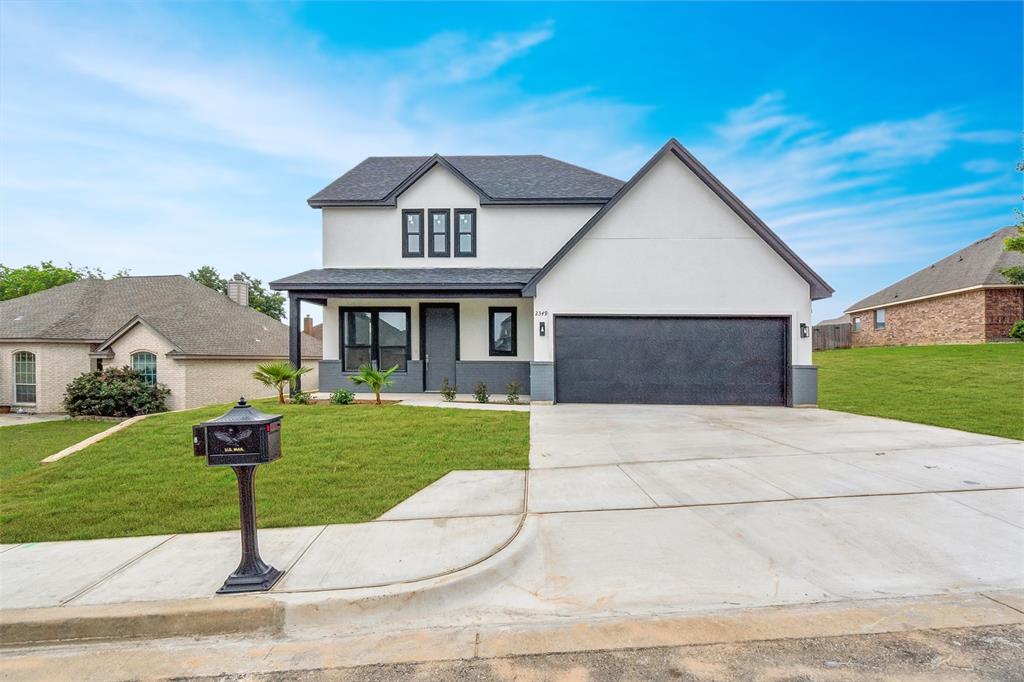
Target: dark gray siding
x: 542, y: 381
x: 332, y: 378
x: 805, y: 385
x: 497, y: 375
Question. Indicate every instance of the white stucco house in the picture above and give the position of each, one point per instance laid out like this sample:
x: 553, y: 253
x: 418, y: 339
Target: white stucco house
x: 584, y: 288
x: 198, y: 342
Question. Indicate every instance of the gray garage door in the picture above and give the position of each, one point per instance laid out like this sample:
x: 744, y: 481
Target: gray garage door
x: 671, y: 360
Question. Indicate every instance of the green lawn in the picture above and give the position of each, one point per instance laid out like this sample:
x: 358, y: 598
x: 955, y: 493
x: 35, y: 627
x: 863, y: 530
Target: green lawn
x: 340, y: 464
x: 973, y: 388
x: 21, y: 447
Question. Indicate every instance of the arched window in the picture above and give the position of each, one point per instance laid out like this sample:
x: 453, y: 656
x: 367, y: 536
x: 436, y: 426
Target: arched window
x: 24, y: 377
x: 144, y: 363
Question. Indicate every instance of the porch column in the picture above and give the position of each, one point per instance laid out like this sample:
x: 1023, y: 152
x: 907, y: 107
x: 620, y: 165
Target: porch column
x: 295, y: 338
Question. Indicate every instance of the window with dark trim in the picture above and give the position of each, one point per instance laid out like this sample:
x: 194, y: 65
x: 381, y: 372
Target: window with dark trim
x: 501, y: 331
x: 440, y: 232
x: 375, y: 336
x: 880, y: 318
x: 465, y: 232
x: 856, y: 324
x: 412, y: 233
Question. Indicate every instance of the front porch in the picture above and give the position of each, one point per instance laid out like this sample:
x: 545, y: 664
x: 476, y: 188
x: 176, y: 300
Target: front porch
x: 466, y: 326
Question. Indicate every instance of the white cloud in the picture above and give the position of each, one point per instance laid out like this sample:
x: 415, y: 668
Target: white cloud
x: 171, y: 139
x: 985, y: 166
x: 842, y: 198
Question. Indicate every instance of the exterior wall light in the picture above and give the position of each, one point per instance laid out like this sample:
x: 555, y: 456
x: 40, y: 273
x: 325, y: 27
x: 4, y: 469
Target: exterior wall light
x: 805, y: 331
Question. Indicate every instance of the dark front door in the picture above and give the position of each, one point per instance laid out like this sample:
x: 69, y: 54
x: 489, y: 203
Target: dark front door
x: 671, y: 360
x: 440, y: 341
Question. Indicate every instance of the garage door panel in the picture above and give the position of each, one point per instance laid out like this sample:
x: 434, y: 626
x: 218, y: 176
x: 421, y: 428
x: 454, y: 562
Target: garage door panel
x: 671, y: 360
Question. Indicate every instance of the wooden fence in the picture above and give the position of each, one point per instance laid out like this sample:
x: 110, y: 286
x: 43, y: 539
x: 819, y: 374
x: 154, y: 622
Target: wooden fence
x: 830, y: 336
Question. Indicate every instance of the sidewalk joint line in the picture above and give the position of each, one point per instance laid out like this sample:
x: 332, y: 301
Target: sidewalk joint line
x: 986, y: 595
x: 830, y: 455
x: 780, y: 499
x: 442, y: 574
x: 646, y: 494
x: 115, y: 571
x: 301, y: 554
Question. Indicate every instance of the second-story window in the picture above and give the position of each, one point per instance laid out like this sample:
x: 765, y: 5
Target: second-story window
x: 465, y: 232
x: 412, y: 234
x: 440, y: 233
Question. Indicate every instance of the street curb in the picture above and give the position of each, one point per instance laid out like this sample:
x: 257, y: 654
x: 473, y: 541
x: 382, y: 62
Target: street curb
x: 193, y: 617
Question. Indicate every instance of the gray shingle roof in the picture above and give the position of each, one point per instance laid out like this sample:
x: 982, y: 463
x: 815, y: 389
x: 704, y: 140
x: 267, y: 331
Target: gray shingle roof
x: 498, y: 179
x: 193, y: 317
x: 512, y: 279
x: 975, y: 265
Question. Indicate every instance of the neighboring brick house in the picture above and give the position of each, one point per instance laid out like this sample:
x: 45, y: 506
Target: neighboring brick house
x: 962, y: 298
x: 198, y: 342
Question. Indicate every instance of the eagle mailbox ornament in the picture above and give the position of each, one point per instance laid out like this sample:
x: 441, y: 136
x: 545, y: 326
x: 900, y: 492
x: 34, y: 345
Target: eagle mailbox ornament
x: 243, y: 438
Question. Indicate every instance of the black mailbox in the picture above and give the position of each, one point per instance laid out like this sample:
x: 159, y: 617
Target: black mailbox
x: 243, y: 438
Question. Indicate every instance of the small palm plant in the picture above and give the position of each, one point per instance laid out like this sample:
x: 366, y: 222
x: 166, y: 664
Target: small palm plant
x: 277, y: 374
x: 374, y: 379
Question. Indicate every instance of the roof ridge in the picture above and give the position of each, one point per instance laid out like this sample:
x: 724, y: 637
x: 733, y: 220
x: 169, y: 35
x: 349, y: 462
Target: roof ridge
x: 973, y: 279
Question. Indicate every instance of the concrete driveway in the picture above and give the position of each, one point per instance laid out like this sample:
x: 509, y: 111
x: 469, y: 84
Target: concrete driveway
x: 603, y: 457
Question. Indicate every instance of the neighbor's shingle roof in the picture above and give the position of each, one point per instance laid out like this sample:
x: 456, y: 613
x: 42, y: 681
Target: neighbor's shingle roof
x: 498, y: 178
x: 193, y: 317
x: 976, y: 265
x: 407, y: 278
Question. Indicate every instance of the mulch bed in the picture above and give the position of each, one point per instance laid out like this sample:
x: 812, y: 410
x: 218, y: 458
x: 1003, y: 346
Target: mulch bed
x: 358, y: 401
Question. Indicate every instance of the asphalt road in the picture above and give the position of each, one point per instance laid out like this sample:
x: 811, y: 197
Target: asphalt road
x: 984, y: 653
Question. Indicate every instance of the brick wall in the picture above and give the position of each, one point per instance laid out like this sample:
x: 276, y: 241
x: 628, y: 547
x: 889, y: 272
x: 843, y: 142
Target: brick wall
x: 56, y: 365
x: 1003, y: 307
x: 956, y: 318
x: 169, y: 372
x: 221, y: 381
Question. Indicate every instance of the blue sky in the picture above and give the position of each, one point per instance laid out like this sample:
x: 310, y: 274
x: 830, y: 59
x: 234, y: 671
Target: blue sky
x: 874, y: 137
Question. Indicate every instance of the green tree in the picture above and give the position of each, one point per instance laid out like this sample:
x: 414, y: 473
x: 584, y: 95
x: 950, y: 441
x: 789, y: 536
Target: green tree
x: 1015, y: 273
x: 374, y: 379
x: 267, y: 302
x: 15, y: 282
x: 277, y: 374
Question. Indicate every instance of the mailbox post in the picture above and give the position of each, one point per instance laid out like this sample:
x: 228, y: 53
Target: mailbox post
x: 243, y: 438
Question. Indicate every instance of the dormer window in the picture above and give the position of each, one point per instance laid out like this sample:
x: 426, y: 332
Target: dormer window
x: 440, y: 233
x: 465, y: 232
x: 412, y: 234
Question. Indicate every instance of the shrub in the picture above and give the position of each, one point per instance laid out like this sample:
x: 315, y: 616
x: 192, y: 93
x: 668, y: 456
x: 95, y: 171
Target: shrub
x: 481, y: 394
x: 512, y: 392
x: 114, y: 392
x: 374, y: 379
x: 448, y: 391
x: 302, y: 398
x: 342, y: 397
x: 1017, y: 331
x: 278, y: 373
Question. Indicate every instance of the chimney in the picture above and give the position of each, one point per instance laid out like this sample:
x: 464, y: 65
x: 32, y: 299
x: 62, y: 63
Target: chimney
x: 307, y: 324
x: 238, y: 291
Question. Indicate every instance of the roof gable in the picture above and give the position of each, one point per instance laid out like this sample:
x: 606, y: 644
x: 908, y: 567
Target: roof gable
x: 819, y: 288
x: 975, y: 265
x: 192, y: 317
x: 502, y: 180
x: 127, y: 327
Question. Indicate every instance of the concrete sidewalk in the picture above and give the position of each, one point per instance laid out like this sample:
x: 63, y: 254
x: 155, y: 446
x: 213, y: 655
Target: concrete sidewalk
x: 422, y: 537
x: 660, y: 511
